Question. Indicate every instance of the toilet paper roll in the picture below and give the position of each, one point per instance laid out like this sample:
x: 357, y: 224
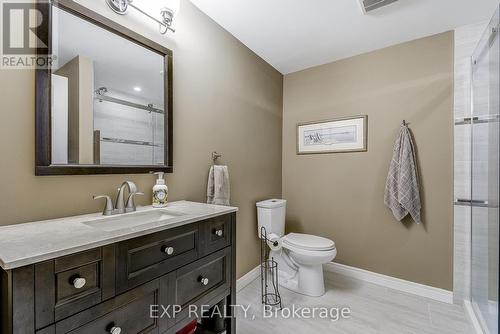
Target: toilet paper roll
x: 274, y: 242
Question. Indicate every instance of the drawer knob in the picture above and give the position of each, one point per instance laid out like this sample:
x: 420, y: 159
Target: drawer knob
x: 169, y: 250
x: 115, y: 330
x: 219, y: 233
x: 203, y: 280
x: 79, y: 282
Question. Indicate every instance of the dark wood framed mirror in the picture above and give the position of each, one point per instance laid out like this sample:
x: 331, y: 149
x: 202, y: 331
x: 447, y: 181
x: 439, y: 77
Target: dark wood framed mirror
x: 104, y: 106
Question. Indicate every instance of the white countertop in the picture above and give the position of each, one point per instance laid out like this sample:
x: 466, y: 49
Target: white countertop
x: 25, y: 244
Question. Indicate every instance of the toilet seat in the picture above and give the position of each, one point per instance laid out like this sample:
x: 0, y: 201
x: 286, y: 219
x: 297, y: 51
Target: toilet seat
x: 317, y: 254
x: 308, y: 254
x: 308, y: 242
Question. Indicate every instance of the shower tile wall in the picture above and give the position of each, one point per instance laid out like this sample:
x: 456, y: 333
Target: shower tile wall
x: 466, y: 39
x: 123, y: 122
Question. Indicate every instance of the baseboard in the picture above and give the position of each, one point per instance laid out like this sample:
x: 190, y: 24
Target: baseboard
x: 248, y: 278
x: 368, y: 276
x: 391, y: 282
x: 474, y: 321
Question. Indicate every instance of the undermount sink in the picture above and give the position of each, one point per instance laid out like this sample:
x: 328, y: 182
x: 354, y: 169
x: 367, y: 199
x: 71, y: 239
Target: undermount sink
x: 131, y: 220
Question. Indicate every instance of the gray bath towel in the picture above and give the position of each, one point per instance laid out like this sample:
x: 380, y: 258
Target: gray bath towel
x: 218, y: 190
x: 402, y: 193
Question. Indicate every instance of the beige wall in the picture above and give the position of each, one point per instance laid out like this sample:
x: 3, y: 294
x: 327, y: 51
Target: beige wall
x: 225, y: 99
x: 340, y: 196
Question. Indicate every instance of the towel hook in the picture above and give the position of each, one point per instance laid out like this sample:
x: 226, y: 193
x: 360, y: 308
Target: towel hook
x: 216, y: 156
x: 404, y: 123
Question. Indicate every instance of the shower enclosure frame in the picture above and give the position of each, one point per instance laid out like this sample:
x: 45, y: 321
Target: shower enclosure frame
x: 484, y: 49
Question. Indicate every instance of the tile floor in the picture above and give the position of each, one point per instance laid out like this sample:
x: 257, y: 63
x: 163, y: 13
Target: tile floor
x: 374, y: 309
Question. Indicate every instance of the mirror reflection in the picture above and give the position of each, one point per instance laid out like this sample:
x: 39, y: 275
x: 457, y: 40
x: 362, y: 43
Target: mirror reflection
x: 107, y: 103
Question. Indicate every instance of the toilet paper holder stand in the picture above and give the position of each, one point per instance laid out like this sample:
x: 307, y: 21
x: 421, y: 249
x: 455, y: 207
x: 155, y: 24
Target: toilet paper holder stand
x: 268, y: 273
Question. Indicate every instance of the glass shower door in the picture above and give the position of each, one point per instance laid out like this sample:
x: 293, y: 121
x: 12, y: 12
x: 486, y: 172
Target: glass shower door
x: 485, y: 178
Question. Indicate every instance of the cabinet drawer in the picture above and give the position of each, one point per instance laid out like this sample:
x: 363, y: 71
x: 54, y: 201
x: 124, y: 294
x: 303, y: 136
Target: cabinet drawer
x: 72, y: 283
x: 145, y: 258
x: 216, y: 234
x: 203, y: 278
x: 129, y: 312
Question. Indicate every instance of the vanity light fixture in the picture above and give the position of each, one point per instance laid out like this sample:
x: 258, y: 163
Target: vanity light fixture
x: 160, y: 11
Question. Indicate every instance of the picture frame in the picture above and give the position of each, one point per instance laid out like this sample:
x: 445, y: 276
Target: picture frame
x: 340, y: 135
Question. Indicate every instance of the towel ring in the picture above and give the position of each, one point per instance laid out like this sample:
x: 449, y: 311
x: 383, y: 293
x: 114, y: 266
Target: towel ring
x: 216, y: 156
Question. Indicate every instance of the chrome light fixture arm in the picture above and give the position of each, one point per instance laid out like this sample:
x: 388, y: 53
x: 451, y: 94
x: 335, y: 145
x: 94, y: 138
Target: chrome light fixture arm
x: 167, y: 15
x: 118, y: 6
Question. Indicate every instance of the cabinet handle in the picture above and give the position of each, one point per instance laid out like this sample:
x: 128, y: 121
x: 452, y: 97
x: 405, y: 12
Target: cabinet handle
x: 203, y: 280
x: 169, y: 250
x: 219, y: 233
x: 115, y: 330
x: 79, y: 282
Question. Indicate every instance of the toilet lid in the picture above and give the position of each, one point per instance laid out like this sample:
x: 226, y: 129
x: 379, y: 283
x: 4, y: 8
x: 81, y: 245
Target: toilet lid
x: 308, y: 242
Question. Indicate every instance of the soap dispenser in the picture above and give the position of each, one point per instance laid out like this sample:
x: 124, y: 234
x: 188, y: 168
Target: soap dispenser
x: 160, y: 191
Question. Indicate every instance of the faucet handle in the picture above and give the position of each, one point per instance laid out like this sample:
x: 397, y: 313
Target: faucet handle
x: 108, y: 209
x: 130, y: 206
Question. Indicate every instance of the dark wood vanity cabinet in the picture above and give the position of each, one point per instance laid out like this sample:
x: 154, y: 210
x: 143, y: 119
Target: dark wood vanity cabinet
x: 116, y: 287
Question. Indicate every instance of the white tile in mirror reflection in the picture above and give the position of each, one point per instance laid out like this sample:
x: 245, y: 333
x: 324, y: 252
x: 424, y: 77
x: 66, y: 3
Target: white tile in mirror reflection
x: 461, y: 262
x: 462, y: 180
x: 467, y: 37
x: 481, y: 102
x: 480, y: 255
x: 480, y: 180
x: 485, y: 143
x: 462, y: 147
x: 126, y: 154
x: 462, y: 96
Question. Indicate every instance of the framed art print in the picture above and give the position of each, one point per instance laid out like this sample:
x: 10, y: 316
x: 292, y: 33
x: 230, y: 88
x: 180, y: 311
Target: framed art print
x: 347, y: 134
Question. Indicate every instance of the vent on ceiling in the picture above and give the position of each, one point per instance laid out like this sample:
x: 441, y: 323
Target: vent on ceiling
x: 370, y: 5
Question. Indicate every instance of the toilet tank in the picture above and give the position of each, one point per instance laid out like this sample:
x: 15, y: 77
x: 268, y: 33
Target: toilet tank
x: 271, y: 215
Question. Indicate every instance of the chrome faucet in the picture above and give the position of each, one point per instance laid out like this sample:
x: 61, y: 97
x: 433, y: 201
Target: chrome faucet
x: 120, y: 205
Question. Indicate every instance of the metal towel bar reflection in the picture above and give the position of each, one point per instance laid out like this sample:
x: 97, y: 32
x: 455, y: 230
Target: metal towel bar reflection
x: 475, y: 203
x: 100, y: 95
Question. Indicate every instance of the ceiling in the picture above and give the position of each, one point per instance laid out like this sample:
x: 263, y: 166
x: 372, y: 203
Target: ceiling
x: 292, y: 35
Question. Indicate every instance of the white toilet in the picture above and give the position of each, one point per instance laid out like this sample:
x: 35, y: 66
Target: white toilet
x: 300, y: 257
